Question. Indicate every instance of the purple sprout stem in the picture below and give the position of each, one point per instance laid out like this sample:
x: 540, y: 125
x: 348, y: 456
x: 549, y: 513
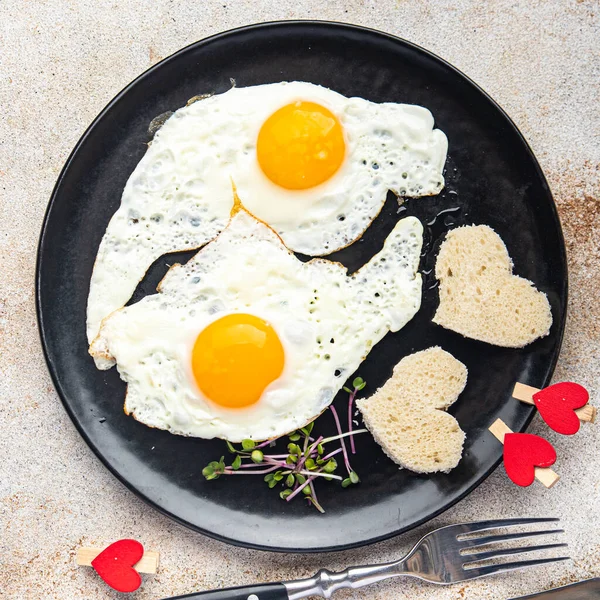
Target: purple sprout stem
x: 350, y: 404
x: 344, y: 435
x: 315, y: 444
x: 313, y: 498
x: 301, y: 462
x: 299, y: 488
x: 306, y: 454
x: 343, y: 444
x: 229, y: 471
x: 314, y: 474
x: 280, y: 464
x: 263, y: 444
x: 332, y: 454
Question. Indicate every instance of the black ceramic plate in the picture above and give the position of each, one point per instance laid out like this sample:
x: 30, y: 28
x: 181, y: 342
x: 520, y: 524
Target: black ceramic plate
x: 491, y: 177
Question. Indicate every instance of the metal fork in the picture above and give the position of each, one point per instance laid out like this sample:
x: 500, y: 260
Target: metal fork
x: 447, y: 555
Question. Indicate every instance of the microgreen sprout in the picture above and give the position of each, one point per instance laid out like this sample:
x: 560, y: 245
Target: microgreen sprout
x: 308, y: 458
x: 358, y: 384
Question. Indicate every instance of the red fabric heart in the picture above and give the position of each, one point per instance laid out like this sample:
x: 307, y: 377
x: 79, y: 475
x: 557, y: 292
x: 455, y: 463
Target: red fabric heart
x: 522, y: 453
x: 557, y: 405
x: 115, y: 565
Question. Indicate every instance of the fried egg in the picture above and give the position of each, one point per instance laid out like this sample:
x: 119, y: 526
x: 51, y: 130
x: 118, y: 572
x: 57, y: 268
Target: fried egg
x: 246, y: 341
x: 314, y: 165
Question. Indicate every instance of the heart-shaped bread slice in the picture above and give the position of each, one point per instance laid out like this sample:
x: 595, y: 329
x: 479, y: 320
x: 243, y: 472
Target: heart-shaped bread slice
x: 480, y: 297
x: 406, y: 414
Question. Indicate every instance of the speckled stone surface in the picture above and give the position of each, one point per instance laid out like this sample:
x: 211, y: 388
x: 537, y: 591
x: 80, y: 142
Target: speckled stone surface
x: 61, y: 61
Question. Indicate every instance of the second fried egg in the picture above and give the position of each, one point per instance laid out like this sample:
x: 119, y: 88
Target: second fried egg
x: 246, y: 341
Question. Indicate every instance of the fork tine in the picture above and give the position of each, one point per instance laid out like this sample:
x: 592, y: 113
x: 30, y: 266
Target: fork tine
x: 505, y: 537
x: 479, y: 556
x: 490, y: 570
x: 467, y: 528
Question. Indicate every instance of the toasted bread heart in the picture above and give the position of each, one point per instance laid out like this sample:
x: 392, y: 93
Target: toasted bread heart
x: 406, y: 414
x: 480, y: 297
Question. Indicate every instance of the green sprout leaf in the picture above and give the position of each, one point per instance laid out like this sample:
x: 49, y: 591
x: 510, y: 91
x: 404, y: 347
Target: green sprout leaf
x: 290, y: 480
x: 307, y: 430
x: 237, y: 463
x: 300, y: 478
x: 230, y: 447
x: 346, y: 482
x: 320, y: 449
x: 278, y: 476
x: 272, y: 483
x: 208, y: 472
x: 347, y: 389
x: 213, y: 469
x: 269, y: 477
x: 310, y: 464
x: 292, y: 458
x: 294, y: 449
x: 295, y: 436
x: 284, y: 494
x: 359, y: 383
x: 248, y: 445
x: 331, y: 466
x: 306, y: 490
x: 256, y: 456
x: 354, y: 477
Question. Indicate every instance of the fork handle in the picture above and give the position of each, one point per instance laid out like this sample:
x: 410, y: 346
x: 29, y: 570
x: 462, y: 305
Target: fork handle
x: 266, y: 591
x: 323, y: 584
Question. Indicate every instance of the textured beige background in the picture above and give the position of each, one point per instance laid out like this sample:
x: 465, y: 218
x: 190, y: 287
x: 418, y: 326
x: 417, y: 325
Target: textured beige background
x: 61, y: 61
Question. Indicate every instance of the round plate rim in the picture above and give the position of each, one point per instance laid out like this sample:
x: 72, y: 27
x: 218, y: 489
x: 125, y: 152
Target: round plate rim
x: 336, y: 25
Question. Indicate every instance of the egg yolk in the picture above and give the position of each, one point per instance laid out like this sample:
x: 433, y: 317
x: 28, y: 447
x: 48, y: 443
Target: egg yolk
x: 235, y: 358
x: 301, y: 145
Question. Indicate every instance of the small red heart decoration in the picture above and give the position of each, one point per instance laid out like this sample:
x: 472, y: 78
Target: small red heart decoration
x: 522, y: 453
x: 557, y: 404
x: 115, y: 565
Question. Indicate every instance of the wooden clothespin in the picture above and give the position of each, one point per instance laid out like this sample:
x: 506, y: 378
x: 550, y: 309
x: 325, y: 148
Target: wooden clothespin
x: 120, y: 564
x: 525, y: 393
x: 147, y: 564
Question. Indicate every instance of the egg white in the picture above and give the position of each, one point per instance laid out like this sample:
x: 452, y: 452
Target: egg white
x: 179, y: 196
x: 326, y: 320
